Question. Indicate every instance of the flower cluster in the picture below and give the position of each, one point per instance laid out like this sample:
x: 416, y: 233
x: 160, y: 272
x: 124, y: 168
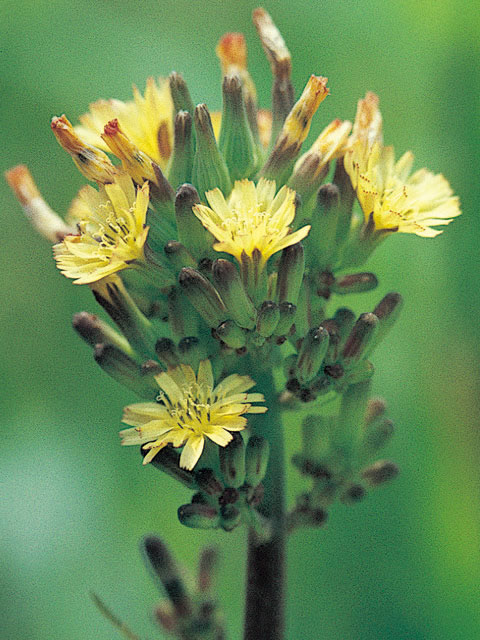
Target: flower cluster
x: 216, y: 249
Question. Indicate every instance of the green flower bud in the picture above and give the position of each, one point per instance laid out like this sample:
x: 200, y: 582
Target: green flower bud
x: 229, y: 284
x: 180, y: 94
x: 230, y: 333
x: 124, y: 370
x: 208, y: 482
x: 380, y: 472
x: 203, y: 297
x: 236, y: 140
x: 199, y: 516
x: 360, y: 338
x: 232, y: 462
x: 321, y: 245
x: 290, y: 273
x: 355, y: 283
x: 287, y: 316
x: 178, y: 256
x: 191, y: 232
x: 312, y: 353
x: 181, y: 161
x: 256, y: 460
x: 95, y: 331
x: 268, y: 317
x: 209, y: 168
x: 230, y: 517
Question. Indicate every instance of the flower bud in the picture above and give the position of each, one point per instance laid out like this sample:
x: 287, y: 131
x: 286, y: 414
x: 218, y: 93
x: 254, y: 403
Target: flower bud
x: 232, y: 462
x: 229, y: 284
x: 178, y: 256
x: 167, y: 352
x: 290, y: 273
x: 268, y: 317
x: 236, y: 140
x: 181, y: 161
x: 355, y: 283
x: 380, y: 472
x: 124, y: 370
x: 208, y: 482
x: 312, y: 353
x: 135, y: 162
x: 287, y: 316
x: 203, y: 297
x: 191, y: 232
x: 376, y: 435
x: 180, y: 94
x: 95, y: 331
x: 230, y: 333
x: 199, y: 516
x: 209, y: 168
x: 360, y: 337
x: 321, y: 245
x: 256, y: 460
x: 230, y: 517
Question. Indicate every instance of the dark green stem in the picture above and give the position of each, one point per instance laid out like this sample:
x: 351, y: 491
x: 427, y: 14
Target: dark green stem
x: 266, y: 567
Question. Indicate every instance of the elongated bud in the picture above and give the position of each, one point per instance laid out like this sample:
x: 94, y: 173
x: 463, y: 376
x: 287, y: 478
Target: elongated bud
x: 191, y: 351
x: 295, y: 130
x: 355, y: 283
x: 311, y: 168
x: 43, y: 218
x: 230, y: 333
x: 91, y: 162
x: 344, y: 319
x: 191, y: 232
x: 312, y: 353
x: 362, y: 334
x: 207, y: 566
x: 232, y: 462
x: 167, y: 352
x: 236, y: 140
x: 283, y: 95
x: 111, y: 294
x: 287, y: 316
x: 95, y: 331
x: 230, y: 517
x: 180, y: 94
x: 134, y: 161
x: 124, y: 370
x: 229, y: 284
x: 355, y: 493
x: 256, y: 460
x: 199, y: 516
x: 165, y: 569
x: 376, y: 436
x: 380, y: 472
x: 290, y: 273
x: 203, y: 297
x: 209, y: 168
x: 268, y: 318
x: 181, y: 161
x: 376, y: 408
x: 168, y: 461
x: 321, y: 245
x: 347, y: 197
x: 208, y: 482
x: 387, y: 311
x: 348, y: 430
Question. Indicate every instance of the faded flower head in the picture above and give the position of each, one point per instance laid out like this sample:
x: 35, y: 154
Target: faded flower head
x: 189, y: 409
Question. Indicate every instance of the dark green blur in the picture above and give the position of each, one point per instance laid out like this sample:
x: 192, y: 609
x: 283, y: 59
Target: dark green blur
x: 402, y: 565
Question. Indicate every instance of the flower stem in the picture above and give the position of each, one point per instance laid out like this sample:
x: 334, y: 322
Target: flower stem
x: 266, y: 570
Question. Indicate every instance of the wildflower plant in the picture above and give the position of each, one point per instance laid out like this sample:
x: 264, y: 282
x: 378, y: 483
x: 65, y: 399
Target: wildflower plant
x: 223, y: 256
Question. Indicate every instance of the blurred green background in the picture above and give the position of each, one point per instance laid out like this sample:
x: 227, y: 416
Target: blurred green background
x: 402, y: 565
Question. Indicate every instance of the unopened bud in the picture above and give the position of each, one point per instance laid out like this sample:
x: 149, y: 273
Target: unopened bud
x: 229, y: 284
x: 207, y: 566
x: 91, y: 162
x: 268, y: 317
x: 180, y: 94
x: 342, y: 181
x: 256, y: 460
x: 181, y: 161
x: 199, y: 516
x: 95, y: 331
x: 312, y: 353
x: 376, y: 408
x: 167, y: 352
x: 380, y: 472
x: 376, y: 435
x: 287, y: 316
x: 208, y: 482
x: 355, y: 283
x: 43, y: 218
x: 191, y: 232
x: 354, y: 494
x: 230, y: 333
x: 124, y: 370
x: 236, y: 139
x: 360, y: 337
x: 203, y: 297
x: 230, y: 517
x: 290, y: 273
x: 232, y: 462
x: 209, y: 168
x: 321, y: 246
x: 178, y: 255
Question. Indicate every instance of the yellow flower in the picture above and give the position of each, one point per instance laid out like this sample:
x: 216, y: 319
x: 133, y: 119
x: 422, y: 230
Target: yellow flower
x: 190, y: 409
x: 394, y: 200
x: 112, y: 232
x: 146, y: 121
x: 252, y: 219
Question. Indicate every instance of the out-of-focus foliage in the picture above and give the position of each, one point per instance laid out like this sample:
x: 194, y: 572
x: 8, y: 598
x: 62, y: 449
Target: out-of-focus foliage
x: 401, y: 565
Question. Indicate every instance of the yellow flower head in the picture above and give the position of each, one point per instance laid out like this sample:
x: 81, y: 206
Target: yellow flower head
x: 189, y: 409
x: 146, y: 121
x: 253, y: 218
x: 393, y: 199
x: 112, y: 232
